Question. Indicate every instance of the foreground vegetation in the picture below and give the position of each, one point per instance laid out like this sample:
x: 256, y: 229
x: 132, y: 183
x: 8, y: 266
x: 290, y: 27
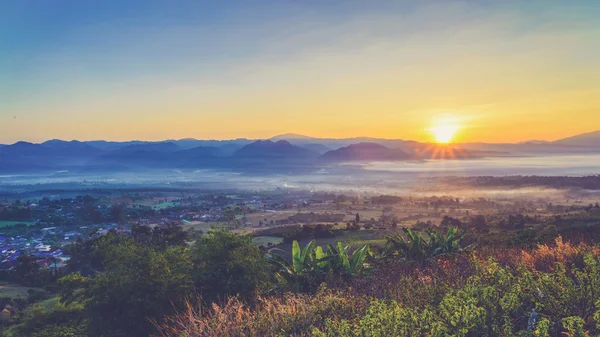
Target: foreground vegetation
x: 421, y: 283
x: 545, y: 291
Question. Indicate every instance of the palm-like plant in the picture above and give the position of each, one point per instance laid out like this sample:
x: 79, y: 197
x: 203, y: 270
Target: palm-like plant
x: 418, y: 249
x: 305, y: 269
x: 312, y: 265
x: 341, y: 260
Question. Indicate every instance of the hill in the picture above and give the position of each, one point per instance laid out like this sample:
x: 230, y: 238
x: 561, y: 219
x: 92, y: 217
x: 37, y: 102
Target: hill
x: 364, y: 152
x: 160, y: 155
x: 291, y: 136
x: 51, y: 155
x: 270, y: 149
x: 318, y: 148
x: 147, y: 147
x: 590, y: 139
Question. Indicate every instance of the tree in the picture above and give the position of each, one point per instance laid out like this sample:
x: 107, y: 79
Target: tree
x: 28, y: 270
x: 357, y: 219
x: 117, y: 213
x: 517, y: 222
x: 139, y: 284
x: 449, y: 221
x: 161, y: 236
x: 479, y: 221
x: 228, y: 264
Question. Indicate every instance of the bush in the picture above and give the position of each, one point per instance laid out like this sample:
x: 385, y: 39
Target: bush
x: 139, y: 284
x: 52, y: 318
x: 228, y: 264
x: 489, y: 292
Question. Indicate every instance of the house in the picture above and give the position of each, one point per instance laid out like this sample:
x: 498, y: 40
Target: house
x: 43, y: 248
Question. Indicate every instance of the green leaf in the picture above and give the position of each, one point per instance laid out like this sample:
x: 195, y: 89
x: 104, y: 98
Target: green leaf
x: 297, y: 262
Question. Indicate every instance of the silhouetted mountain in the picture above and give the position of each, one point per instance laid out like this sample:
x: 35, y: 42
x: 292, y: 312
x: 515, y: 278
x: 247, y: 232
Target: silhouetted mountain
x: 163, y: 147
x: 201, y: 151
x: 534, y: 141
x: 291, y: 136
x: 54, y: 154
x: 229, y: 146
x: 364, y: 152
x: 590, y: 139
x: 297, y: 152
x: 269, y: 149
x: 110, y: 145
x: 318, y: 148
x: 189, y: 143
x: 72, y: 148
x: 161, y: 154
x: 24, y: 149
x: 51, y: 148
x: 200, y: 156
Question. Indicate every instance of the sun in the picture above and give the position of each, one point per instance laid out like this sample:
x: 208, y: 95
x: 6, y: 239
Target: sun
x: 444, y: 133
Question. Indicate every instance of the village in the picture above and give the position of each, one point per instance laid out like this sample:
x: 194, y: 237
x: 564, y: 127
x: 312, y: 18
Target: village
x: 44, y: 226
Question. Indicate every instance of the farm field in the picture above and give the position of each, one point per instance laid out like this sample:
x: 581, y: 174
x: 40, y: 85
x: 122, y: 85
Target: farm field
x: 266, y: 217
x: 8, y: 290
x: 201, y: 225
x: 265, y: 240
x: 12, y: 223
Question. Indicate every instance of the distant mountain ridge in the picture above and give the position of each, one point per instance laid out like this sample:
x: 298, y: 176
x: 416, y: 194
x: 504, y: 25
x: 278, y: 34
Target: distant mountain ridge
x: 268, y: 148
x: 591, y: 139
x: 273, y: 154
x: 364, y: 152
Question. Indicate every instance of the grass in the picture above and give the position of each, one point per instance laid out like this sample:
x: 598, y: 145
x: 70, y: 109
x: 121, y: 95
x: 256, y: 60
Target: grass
x: 265, y: 240
x: 266, y: 217
x: 164, y: 205
x: 361, y: 237
x: 15, y: 291
x: 12, y: 223
x: 486, y: 293
x: 202, y: 226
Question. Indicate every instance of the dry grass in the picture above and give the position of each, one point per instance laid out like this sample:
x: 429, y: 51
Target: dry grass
x: 272, y: 316
x: 404, y: 283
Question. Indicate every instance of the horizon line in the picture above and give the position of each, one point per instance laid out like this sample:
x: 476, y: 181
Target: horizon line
x: 300, y: 136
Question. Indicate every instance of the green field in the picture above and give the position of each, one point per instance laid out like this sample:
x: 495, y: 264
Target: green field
x: 165, y: 205
x: 12, y: 223
x: 265, y: 240
x: 15, y: 291
x: 201, y: 225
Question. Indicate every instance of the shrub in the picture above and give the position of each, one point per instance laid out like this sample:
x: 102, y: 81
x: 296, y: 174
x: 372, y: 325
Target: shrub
x: 228, y: 264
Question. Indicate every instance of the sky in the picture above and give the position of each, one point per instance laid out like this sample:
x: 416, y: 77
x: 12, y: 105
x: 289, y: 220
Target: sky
x: 496, y: 70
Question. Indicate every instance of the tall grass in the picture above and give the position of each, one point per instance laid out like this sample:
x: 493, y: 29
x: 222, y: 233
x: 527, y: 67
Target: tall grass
x: 487, y: 292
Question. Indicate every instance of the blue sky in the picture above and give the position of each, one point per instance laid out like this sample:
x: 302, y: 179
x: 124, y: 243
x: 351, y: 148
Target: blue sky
x: 223, y: 69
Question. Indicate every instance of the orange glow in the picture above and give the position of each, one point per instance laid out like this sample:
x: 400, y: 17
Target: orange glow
x: 444, y: 133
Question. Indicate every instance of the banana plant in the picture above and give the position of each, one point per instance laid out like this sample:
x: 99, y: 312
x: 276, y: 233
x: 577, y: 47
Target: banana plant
x: 312, y: 265
x: 450, y: 243
x: 348, y: 263
x: 413, y: 247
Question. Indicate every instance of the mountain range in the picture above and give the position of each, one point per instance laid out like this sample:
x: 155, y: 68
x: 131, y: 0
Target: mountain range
x: 281, y: 152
